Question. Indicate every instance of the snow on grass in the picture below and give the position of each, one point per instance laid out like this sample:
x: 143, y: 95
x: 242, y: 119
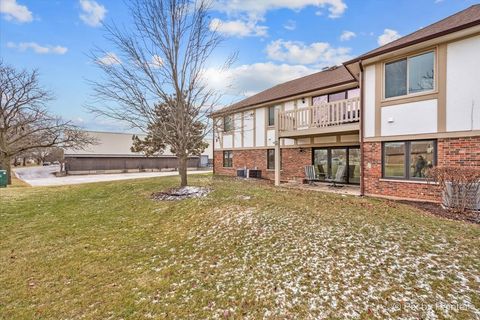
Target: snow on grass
x: 181, y: 193
x: 285, y: 263
x: 244, y: 251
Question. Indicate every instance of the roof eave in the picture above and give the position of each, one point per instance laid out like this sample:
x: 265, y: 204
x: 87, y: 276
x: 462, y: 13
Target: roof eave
x: 414, y: 42
x: 221, y: 112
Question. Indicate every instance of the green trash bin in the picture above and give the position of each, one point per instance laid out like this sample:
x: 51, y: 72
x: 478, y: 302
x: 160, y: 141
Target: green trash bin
x: 3, y: 178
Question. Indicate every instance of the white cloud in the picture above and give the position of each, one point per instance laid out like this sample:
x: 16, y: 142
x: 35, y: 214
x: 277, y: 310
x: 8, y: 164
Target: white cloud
x: 257, y: 9
x: 388, y: 36
x: 248, y: 13
x: 347, y: 35
x: 92, y: 12
x: 238, y: 28
x: 290, y: 25
x: 109, y: 59
x: 47, y: 49
x: 14, y: 11
x: 246, y: 80
x: 318, y: 53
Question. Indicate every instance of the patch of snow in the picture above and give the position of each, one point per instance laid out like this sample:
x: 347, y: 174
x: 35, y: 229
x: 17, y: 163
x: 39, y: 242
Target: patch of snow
x: 181, y: 193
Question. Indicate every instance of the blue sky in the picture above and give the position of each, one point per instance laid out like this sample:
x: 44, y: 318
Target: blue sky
x: 276, y: 40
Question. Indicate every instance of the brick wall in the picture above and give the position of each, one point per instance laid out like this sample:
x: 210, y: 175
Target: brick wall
x: 451, y: 152
x: 459, y: 152
x: 293, y: 162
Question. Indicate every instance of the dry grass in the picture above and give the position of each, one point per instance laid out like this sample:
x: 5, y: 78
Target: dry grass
x: 246, y: 251
x: 17, y: 183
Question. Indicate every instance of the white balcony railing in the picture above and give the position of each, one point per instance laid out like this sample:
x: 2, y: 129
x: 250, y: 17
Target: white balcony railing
x: 324, y: 115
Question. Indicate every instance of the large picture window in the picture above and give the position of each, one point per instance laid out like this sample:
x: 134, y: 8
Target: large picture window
x: 408, y: 159
x: 394, y: 160
x: 410, y: 75
x: 227, y: 159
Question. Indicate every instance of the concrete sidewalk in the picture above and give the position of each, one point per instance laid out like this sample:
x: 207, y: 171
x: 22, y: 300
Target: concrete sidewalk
x: 44, y: 176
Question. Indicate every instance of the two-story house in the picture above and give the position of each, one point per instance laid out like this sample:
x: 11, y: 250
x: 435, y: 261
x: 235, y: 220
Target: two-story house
x: 382, y: 118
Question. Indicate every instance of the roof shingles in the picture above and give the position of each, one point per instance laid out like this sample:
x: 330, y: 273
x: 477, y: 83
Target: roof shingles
x: 461, y: 20
x: 324, y: 79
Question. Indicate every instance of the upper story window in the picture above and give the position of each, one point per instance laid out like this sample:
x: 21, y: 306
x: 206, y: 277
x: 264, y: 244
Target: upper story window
x: 337, y: 96
x: 353, y: 93
x: 318, y: 100
x: 410, y: 75
x: 228, y: 123
x: 271, y: 115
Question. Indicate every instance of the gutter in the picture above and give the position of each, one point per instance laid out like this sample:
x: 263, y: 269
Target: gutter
x: 362, y: 156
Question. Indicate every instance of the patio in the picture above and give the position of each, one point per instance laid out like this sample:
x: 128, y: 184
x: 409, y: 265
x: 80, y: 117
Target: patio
x: 347, y: 189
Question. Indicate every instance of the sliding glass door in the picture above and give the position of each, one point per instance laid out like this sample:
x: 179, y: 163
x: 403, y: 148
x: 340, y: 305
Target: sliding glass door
x: 320, y: 160
x: 339, y: 163
x: 354, y: 165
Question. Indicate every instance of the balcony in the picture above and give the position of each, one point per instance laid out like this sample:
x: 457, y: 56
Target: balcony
x: 338, y: 116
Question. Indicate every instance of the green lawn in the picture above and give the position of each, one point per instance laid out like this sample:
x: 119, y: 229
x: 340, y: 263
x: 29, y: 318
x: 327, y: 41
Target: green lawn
x: 247, y: 251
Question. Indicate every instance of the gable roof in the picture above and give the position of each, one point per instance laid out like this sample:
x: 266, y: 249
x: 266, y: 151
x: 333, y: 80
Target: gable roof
x: 467, y: 18
x: 320, y: 80
x: 461, y: 20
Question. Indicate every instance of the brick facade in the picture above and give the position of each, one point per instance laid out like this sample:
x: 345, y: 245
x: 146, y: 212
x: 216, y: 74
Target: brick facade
x: 450, y: 152
x: 459, y: 152
x: 293, y: 162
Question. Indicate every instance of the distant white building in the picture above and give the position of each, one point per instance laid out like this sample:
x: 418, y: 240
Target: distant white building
x: 112, y: 154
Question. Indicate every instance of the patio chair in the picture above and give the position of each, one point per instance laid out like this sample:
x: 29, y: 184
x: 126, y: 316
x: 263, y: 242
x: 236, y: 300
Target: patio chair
x: 311, y: 175
x: 321, y: 174
x: 339, y: 177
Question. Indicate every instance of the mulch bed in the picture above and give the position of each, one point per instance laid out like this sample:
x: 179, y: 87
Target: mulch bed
x: 438, y: 210
x: 182, y: 193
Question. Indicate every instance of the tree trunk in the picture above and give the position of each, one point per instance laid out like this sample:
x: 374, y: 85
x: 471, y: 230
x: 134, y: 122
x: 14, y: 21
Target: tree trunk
x: 182, y: 170
x: 24, y: 161
x: 5, y: 164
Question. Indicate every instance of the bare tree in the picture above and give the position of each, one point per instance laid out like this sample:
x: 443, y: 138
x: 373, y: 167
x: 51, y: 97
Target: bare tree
x: 47, y: 154
x: 157, y: 84
x: 25, y: 123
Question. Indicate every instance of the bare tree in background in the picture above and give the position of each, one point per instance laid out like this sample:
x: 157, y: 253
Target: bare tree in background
x: 156, y: 83
x: 47, y: 154
x: 25, y: 123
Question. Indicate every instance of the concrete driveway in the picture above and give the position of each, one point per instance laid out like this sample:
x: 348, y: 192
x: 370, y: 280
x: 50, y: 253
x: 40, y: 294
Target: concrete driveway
x: 45, y: 176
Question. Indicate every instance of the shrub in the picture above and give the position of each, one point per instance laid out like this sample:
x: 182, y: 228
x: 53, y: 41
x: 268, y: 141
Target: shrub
x: 460, y: 187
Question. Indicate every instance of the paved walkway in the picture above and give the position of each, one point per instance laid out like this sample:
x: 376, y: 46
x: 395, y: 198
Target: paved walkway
x: 44, y: 176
